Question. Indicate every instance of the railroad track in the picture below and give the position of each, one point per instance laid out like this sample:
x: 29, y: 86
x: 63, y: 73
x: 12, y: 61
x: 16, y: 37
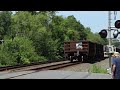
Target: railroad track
x: 50, y: 65
x: 20, y: 67
x: 40, y: 66
x: 46, y: 67
x: 55, y: 66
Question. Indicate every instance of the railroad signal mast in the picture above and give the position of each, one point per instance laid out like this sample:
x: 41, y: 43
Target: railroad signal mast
x: 115, y: 33
x: 109, y: 31
x: 103, y: 33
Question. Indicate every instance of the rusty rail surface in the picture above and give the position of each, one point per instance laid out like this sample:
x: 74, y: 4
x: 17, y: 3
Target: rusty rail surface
x: 55, y: 66
x: 26, y: 65
x: 47, y: 67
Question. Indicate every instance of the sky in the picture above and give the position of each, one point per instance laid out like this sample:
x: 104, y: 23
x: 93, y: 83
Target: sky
x: 96, y: 20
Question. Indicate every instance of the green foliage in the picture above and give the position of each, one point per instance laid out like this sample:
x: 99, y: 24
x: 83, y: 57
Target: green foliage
x: 37, y: 58
x: 19, y: 51
x: 5, y: 23
x: 72, y: 34
x: 44, y: 44
x: 21, y: 23
x: 70, y: 23
x: 6, y: 58
x: 116, y: 44
x: 97, y: 69
x: 95, y: 37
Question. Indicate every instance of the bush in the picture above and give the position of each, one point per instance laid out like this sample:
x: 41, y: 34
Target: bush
x: 37, y: 59
x: 97, y: 69
x: 18, y: 51
x: 6, y: 59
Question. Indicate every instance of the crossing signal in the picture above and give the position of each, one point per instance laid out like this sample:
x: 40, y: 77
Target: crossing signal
x: 103, y: 33
x: 117, y: 24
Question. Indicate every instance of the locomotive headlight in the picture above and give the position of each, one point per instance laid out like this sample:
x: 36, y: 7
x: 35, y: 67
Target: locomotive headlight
x: 115, y: 33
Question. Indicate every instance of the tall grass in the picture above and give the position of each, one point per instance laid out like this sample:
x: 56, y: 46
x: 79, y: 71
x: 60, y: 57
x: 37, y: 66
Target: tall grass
x: 97, y: 69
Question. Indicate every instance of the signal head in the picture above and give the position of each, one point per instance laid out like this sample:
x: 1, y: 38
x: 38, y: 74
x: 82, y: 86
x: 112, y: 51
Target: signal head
x: 117, y: 24
x: 103, y: 33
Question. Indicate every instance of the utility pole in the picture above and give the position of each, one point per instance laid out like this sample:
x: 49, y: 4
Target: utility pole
x: 109, y: 31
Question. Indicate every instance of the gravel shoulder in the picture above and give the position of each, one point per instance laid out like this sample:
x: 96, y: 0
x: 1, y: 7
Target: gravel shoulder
x: 84, y: 67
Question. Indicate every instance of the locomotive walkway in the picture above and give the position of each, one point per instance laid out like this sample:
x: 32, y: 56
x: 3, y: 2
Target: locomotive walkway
x: 53, y: 74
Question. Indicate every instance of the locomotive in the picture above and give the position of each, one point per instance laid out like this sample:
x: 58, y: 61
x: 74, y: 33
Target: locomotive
x: 83, y: 51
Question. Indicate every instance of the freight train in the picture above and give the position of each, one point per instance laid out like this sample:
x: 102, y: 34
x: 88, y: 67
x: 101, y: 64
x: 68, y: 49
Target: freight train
x: 85, y: 51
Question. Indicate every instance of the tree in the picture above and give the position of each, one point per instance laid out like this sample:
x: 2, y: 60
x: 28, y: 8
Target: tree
x: 44, y: 45
x: 18, y: 51
x: 5, y: 23
x: 71, y: 23
x: 116, y: 44
x: 21, y: 23
x: 95, y: 37
x: 72, y: 34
